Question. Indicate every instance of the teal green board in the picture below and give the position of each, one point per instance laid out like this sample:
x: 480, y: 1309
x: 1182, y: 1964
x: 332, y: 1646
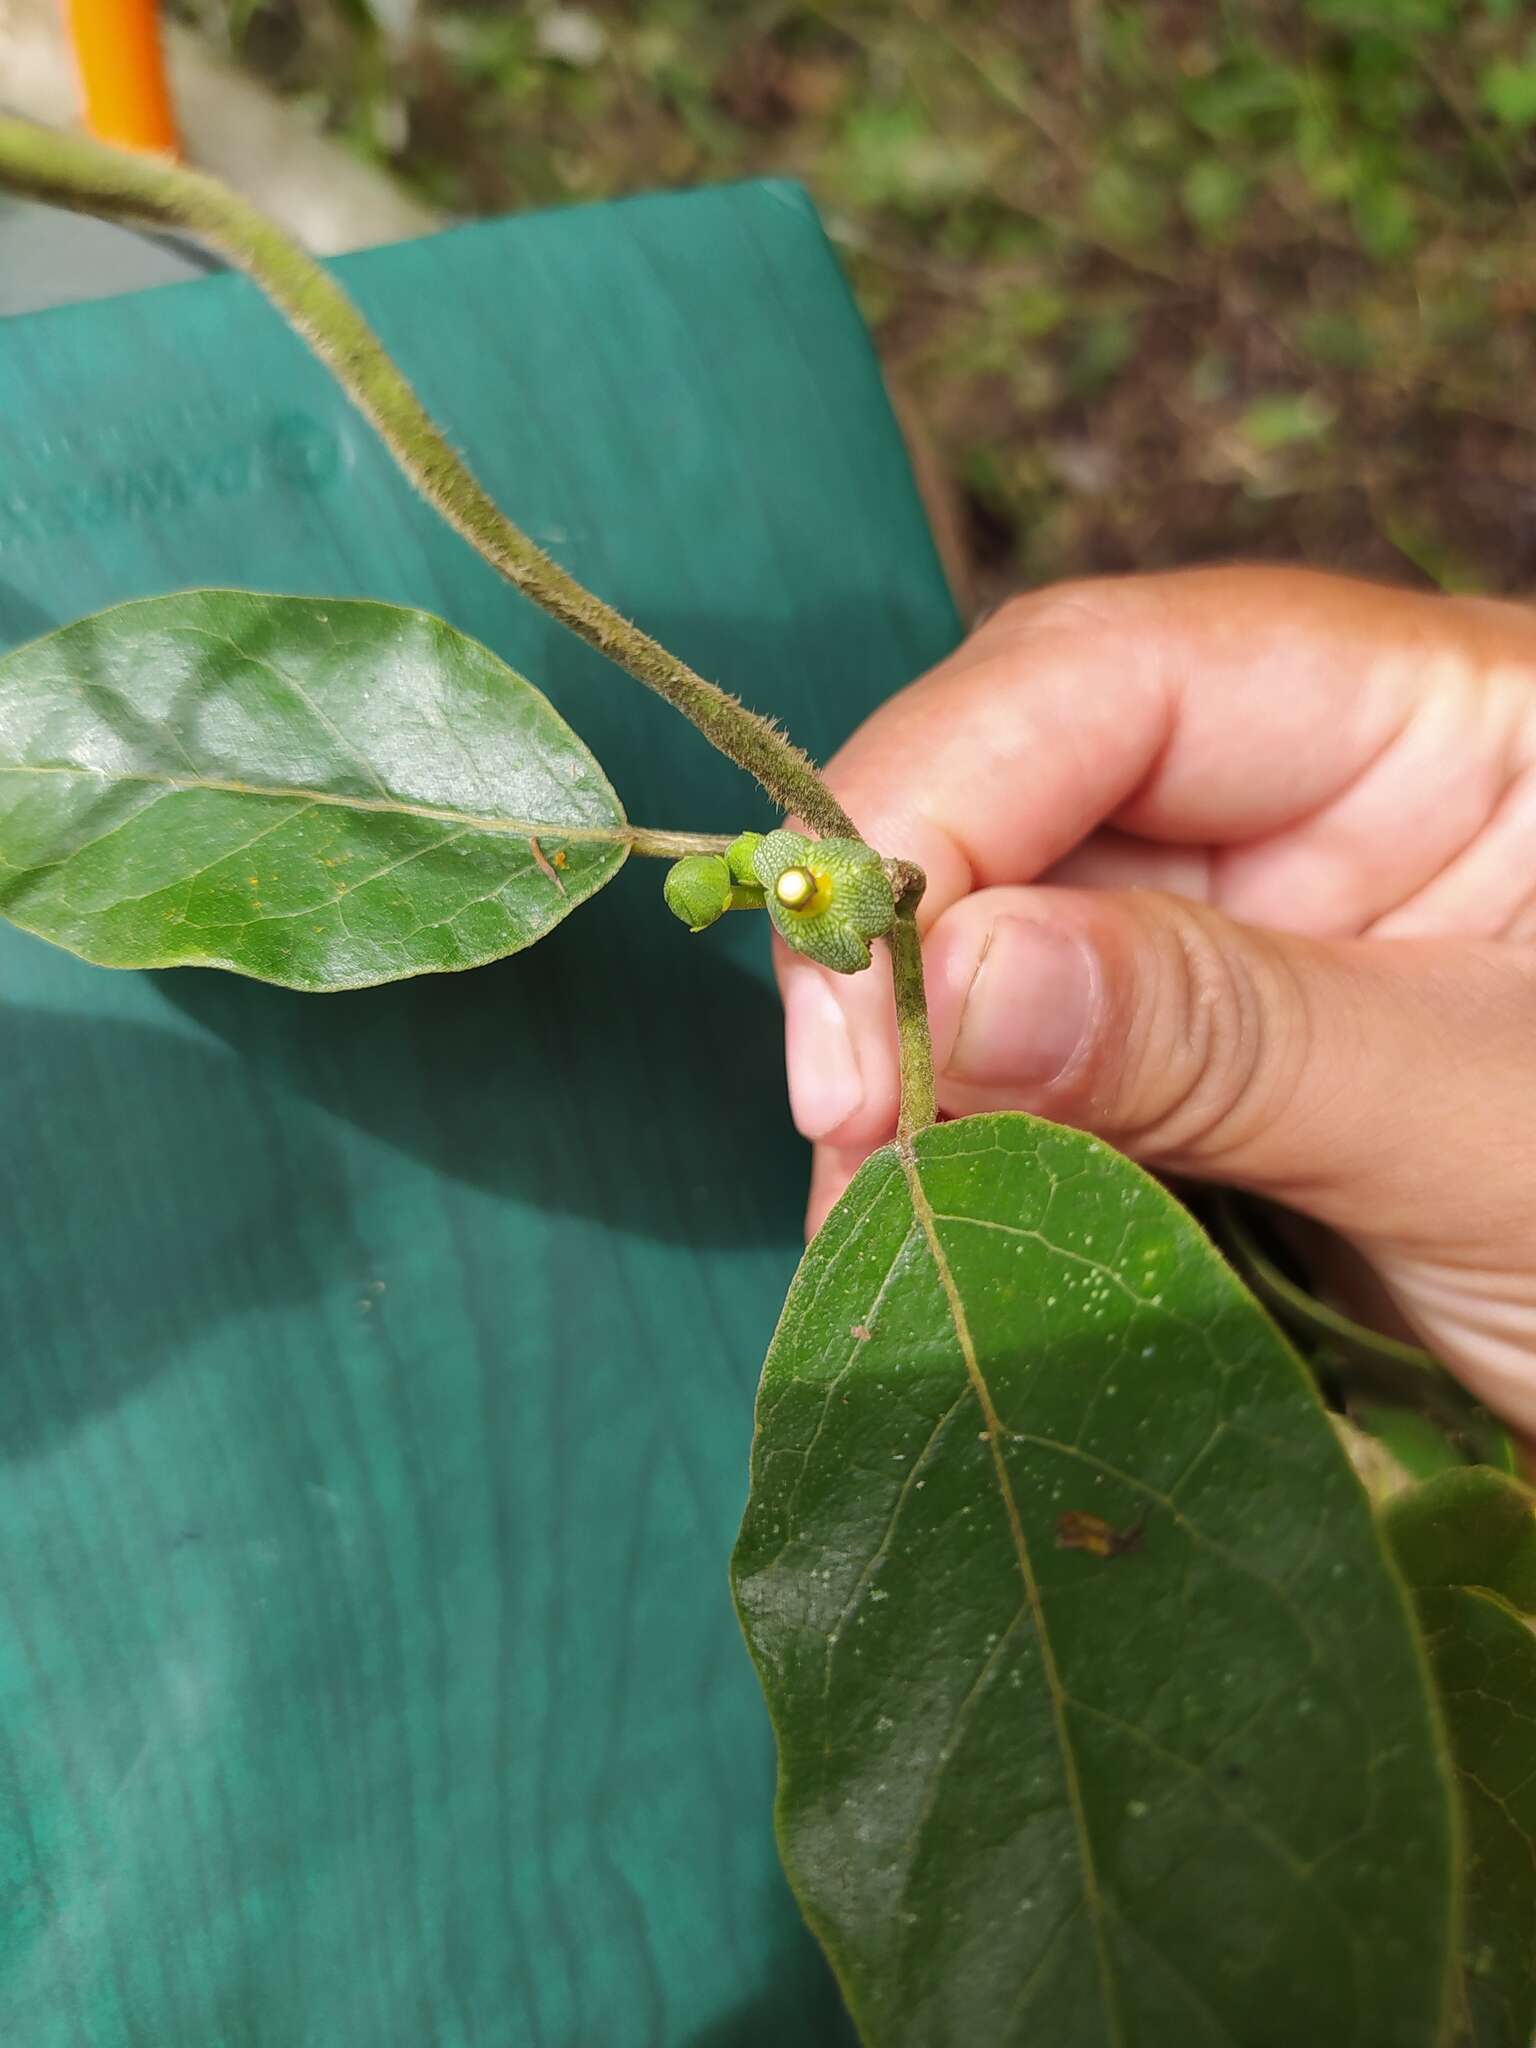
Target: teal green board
x: 376, y: 1369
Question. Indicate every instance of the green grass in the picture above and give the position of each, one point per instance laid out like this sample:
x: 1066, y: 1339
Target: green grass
x: 1165, y: 282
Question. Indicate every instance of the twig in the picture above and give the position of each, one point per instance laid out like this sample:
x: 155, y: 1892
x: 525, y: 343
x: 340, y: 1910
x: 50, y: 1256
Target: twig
x: 66, y: 170
x: 914, y: 1037
x: 88, y: 177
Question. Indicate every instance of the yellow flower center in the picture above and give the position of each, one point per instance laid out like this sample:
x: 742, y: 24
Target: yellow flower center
x: 803, y: 890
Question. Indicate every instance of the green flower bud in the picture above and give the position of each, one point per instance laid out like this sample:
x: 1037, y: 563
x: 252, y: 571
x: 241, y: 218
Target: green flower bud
x: 698, y: 889
x: 827, y: 897
x: 739, y: 857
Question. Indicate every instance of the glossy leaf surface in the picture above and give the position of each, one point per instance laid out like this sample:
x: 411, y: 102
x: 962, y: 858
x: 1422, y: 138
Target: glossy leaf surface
x: 1467, y: 1542
x: 320, y: 793
x: 1101, y: 1715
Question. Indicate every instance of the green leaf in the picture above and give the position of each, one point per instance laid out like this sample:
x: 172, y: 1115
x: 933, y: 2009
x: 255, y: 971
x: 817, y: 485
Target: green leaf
x: 1508, y: 90
x: 1101, y: 1717
x: 1332, y: 167
x: 1101, y: 348
x: 1467, y: 1542
x: 318, y: 792
x: 890, y: 155
x: 1427, y: 17
x: 1484, y: 1659
x: 1031, y: 311
x: 1472, y: 1527
x: 1338, y: 339
x: 1282, y: 419
x: 1385, y: 220
x: 1249, y: 99
x: 1213, y: 194
x: 1415, y: 535
x: 1125, y: 205
x: 1419, y: 1446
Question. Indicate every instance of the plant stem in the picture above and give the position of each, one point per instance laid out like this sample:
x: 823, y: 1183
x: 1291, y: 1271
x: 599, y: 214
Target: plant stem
x: 89, y: 177
x: 915, y: 1040
x: 67, y: 170
x: 673, y: 845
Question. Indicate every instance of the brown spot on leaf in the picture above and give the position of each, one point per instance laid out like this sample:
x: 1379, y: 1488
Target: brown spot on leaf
x: 543, y: 863
x: 1078, y: 1530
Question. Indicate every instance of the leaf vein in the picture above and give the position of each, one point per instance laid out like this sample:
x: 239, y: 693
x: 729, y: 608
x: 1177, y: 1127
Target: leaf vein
x: 620, y: 834
x: 923, y: 1209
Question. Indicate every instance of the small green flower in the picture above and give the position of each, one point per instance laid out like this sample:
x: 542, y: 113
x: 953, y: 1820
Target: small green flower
x: 703, y: 886
x: 739, y: 856
x: 827, y: 897
x: 698, y: 889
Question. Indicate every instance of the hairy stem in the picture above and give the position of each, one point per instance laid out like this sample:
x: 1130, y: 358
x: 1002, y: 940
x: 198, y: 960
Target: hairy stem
x: 915, y: 1040
x: 88, y: 177
x: 66, y: 170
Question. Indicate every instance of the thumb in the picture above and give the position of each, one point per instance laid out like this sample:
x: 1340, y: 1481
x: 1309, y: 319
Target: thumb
x: 1376, y: 1084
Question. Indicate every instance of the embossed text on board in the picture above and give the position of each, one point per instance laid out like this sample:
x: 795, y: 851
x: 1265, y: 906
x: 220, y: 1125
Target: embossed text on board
x: 75, y: 486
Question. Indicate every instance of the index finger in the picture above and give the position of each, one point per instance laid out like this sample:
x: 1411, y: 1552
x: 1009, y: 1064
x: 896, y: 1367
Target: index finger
x: 1205, y: 707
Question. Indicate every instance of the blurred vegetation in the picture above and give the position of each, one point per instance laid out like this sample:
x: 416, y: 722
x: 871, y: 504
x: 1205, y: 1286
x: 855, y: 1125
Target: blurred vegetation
x: 1166, y: 280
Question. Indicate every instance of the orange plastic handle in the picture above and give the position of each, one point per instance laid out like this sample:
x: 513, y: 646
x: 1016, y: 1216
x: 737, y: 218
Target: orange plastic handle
x: 122, y: 72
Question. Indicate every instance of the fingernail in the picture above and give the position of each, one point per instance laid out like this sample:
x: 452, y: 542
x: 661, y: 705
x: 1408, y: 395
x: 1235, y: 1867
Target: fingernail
x: 825, y: 1085
x: 1027, y: 1009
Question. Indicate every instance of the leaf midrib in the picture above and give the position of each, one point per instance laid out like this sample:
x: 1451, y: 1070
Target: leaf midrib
x: 622, y: 834
x: 923, y: 1210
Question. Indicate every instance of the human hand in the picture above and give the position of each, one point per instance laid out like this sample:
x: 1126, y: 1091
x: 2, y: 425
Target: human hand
x: 1236, y: 868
